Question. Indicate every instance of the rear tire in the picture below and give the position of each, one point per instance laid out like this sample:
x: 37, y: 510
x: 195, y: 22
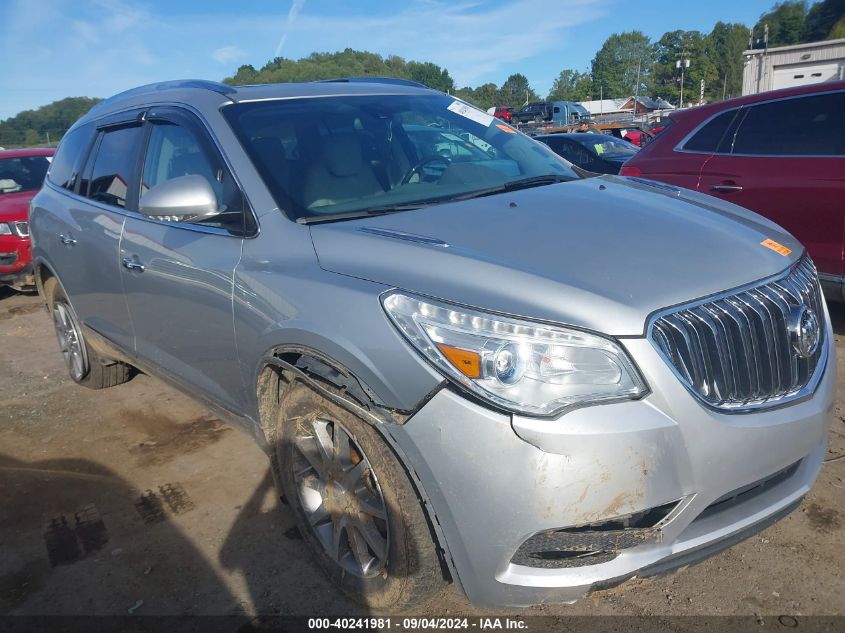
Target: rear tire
x: 85, y: 366
x: 354, y: 503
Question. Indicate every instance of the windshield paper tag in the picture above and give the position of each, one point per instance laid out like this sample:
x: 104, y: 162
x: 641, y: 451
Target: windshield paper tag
x: 778, y: 248
x: 471, y: 113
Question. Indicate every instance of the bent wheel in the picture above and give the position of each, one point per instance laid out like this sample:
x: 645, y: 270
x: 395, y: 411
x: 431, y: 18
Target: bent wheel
x: 354, y: 503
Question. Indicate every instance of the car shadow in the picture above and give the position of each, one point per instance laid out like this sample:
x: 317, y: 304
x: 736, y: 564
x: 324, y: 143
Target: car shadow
x: 837, y: 316
x: 78, y: 539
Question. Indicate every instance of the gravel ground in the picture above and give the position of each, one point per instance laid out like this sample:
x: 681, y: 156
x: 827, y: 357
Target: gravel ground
x: 135, y: 498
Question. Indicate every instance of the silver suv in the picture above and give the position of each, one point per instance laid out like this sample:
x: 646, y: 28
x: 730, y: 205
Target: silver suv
x: 466, y: 360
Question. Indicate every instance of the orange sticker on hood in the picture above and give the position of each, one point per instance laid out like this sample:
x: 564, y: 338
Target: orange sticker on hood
x: 777, y: 247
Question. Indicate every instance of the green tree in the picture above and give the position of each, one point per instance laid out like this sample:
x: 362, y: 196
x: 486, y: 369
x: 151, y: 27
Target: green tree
x: 724, y: 47
x: 431, y: 75
x: 516, y: 91
x: 571, y: 85
x: 622, y: 58
x: 32, y: 127
x: 825, y: 21
x: 484, y: 96
x: 785, y: 21
x: 246, y: 75
x: 677, y: 46
x: 346, y: 63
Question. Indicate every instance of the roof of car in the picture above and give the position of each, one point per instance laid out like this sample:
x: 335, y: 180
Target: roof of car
x: 580, y: 137
x: 28, y: 151
x: 710, y: 108
x: 183, y: 89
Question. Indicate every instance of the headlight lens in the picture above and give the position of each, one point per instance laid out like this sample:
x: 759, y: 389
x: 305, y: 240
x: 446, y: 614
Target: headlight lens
x: 525, y: 367
x: 5, y: 229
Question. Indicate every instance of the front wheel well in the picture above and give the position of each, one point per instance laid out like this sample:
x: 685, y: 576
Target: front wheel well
x: 283, y: 367
x: 42, y: 274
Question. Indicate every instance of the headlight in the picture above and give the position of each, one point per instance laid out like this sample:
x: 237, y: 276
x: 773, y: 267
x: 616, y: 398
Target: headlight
x: 524, y: 367
x: 5, y: 229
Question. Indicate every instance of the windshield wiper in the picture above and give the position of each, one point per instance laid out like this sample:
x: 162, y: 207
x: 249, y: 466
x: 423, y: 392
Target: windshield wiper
x: 514, y: 185
x: 363, y: 213
x: 523, y: 183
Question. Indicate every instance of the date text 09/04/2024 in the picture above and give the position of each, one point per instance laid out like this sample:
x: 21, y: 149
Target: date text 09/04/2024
x: 416, y: 623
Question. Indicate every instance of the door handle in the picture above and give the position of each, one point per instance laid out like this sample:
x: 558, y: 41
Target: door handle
x: 131, y: 264
x: 726, y: 188
x: 67, y: 239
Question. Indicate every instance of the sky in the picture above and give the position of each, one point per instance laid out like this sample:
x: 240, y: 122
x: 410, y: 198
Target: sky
x: 53, y: 49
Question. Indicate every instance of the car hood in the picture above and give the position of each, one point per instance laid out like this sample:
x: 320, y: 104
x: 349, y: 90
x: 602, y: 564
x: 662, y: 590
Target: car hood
x: 15, y: 206
x: 599, y: 253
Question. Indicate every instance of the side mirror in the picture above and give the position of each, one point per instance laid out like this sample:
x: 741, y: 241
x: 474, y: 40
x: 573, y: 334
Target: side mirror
x: 185, y: 198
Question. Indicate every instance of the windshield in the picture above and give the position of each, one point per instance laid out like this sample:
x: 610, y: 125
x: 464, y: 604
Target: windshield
x: 22, y: 173
x: 610, y: 148
x: 331, y: 156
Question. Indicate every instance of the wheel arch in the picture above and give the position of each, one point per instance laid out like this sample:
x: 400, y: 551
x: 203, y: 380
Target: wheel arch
x: 283, y: 366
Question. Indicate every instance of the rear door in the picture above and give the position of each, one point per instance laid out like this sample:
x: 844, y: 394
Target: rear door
x: 178, y: 275
x: 682, y: 165
x: 86, y: 224
x: 785, y: 159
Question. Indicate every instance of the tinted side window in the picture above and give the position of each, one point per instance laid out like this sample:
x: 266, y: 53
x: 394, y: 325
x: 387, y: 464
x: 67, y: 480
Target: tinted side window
x: 114, y: 165
x: 707, y: 139
x: 66, y: 161
x: 808, y: 126
x: 174, y: 151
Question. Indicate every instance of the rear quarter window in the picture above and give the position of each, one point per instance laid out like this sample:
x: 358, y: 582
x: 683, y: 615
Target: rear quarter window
x: 709, y: 137
x: 68, y: 158
x: 813, y: 125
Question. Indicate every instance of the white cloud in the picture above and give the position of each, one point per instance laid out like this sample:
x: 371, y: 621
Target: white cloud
x: 293, y: 13
x: 228, y: 54
x: 100, y: 47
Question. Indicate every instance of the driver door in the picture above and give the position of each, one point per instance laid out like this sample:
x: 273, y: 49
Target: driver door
x: 178, y: 274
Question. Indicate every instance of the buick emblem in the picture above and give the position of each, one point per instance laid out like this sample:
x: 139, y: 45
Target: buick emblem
x: 804, y: 330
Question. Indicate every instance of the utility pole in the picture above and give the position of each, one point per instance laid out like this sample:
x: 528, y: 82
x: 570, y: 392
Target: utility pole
x: 724, y: 86
x: 637, y: 89
x: 683, y: 64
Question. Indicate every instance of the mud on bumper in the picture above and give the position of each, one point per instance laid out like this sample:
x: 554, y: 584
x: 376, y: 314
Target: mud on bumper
x: 532, y: 511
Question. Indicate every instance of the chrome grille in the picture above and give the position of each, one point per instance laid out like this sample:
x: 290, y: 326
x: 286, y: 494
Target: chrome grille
x: 736, y: 351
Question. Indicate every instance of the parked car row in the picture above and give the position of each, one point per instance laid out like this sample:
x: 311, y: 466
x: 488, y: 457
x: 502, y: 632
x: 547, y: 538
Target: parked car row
x: 781, y: 154
x: 466, y: 360
x: 538, y: 112
x: 598, y: 153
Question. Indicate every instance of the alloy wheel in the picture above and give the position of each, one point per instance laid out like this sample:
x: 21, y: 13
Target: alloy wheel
x: 70, y: 341
x: 341, y: 497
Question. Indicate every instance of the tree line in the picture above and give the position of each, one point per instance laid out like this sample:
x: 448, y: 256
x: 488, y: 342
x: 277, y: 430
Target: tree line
x: 630, y: 63
x: 626, y: 64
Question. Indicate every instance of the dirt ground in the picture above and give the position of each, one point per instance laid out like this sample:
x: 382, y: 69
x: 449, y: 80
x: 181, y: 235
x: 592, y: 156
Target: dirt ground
x: 136, y: 499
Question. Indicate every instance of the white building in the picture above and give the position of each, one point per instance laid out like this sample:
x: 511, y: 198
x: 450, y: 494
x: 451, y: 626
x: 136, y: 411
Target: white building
x: 797, y: 65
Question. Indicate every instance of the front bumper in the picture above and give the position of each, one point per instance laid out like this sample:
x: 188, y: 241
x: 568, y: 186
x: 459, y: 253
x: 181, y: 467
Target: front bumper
x: 494, y: 480
x: 15, y: 261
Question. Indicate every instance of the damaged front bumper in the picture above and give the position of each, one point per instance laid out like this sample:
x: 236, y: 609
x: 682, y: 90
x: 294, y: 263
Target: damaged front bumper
x: 535, y: 511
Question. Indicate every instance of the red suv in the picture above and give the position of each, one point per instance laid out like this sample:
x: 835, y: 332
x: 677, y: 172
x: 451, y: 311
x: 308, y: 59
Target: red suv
x: 780, y: 153
x: 21, y: 173
x: 504, y: 113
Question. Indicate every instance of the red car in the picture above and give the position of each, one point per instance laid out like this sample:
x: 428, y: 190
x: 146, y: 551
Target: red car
x: 636, y: 136
x: 504, y: 113
x: 22, y: 172
x: 779, y: 153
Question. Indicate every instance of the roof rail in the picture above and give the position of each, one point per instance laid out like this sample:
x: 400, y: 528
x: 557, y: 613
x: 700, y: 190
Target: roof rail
x: 374, y: 80
x: 203, y: 84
